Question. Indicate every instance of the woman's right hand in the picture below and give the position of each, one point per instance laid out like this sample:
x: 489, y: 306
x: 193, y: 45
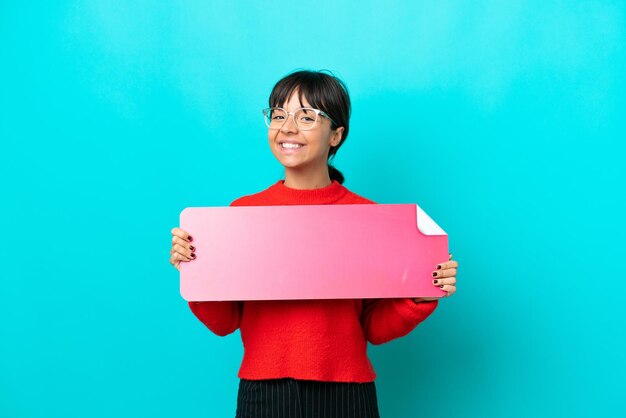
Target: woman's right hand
x: 181, y: 250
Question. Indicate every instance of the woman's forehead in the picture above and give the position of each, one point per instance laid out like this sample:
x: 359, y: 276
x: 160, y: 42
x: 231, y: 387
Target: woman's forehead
x: 296, y: 97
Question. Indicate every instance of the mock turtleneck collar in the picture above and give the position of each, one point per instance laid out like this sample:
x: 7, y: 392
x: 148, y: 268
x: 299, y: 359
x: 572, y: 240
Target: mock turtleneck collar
x: 322, y: 196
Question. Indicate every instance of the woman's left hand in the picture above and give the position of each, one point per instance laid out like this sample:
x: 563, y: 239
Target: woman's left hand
x: 444, y: 277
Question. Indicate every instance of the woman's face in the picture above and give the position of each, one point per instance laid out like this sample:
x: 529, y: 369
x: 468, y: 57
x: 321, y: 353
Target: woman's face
x: 315, y: 143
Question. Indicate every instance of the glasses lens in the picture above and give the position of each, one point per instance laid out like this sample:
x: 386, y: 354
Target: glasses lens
x: 305, y: 118
x: 274, y: 118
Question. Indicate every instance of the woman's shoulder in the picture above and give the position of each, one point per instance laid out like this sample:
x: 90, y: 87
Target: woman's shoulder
x: 240, y: 201
x: 254, y: 199
x: 260, y: 198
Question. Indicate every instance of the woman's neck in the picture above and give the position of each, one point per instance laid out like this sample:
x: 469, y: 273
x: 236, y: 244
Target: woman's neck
x: 307, y: 181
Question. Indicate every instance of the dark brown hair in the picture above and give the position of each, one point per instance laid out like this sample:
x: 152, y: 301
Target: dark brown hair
x: 323, y: 91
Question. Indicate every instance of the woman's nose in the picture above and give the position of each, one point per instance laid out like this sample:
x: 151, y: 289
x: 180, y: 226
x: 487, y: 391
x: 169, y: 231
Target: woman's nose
x: 290, y: 124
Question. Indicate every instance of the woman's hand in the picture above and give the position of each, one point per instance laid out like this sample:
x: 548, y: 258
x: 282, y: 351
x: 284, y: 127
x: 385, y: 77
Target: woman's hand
x: 181, y: 250
x: 445, y: 278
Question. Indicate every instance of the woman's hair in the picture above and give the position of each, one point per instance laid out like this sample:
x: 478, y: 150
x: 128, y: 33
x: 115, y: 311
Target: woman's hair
x: 323, y: 91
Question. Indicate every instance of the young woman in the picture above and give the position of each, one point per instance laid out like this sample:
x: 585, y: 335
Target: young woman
x: 308, y: 358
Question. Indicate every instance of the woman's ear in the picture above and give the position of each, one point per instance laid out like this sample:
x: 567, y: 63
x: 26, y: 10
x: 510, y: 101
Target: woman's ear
x: 336, y: 138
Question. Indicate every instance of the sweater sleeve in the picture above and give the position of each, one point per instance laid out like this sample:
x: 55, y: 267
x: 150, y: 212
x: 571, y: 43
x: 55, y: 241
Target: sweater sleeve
x: 222, y: 318
x: 386, y: 319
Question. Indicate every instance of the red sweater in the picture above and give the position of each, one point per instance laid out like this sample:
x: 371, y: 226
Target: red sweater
x: 310, y: 339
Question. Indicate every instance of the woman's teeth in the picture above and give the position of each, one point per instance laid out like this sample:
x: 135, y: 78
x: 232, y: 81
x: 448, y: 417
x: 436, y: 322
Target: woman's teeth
x: 290, y: 146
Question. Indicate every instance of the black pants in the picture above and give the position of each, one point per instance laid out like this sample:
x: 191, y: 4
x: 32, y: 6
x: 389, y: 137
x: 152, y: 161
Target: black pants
x: 291, y: 398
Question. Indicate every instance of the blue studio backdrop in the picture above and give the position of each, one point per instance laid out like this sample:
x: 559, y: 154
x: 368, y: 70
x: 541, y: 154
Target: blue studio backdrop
x: 504, y: 120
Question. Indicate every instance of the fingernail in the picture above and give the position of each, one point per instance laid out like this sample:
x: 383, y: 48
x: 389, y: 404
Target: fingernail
x: 193, y: 255
x: 440, y: 285
x: 189, y: 238
x: 435, y: 281
x: 438, y: 266
x: 192, y: 248
x: 434, y: 273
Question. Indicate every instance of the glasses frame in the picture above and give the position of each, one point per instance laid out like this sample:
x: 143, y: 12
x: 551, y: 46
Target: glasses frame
x: 293, y: 116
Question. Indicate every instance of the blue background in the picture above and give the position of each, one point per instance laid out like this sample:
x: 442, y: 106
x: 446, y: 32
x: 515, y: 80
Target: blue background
x: 503, y: 120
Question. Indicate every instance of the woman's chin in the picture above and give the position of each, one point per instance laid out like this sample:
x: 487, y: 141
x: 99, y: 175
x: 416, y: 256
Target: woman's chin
x: 290, y: 164
x: 291, y: 161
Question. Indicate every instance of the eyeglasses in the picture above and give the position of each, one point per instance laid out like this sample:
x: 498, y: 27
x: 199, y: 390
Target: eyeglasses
x: 304, y: 117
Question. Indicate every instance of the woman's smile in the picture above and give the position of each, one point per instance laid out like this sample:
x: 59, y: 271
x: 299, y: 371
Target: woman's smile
x: 290, y: 147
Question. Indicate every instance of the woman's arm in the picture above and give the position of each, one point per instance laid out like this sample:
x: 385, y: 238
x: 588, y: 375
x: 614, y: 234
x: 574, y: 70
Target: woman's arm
x: 384, y: 320
x: 222, y: 318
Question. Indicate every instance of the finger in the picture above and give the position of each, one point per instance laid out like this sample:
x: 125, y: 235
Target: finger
x: 184, y: 251
x: 179, y: 257
x: 176, y: 258
x: 182, y: 243
x: 181, y: 234
x: 444, y: 273
x: 439, y: 282
x: 447, y: 265
x: 450, y: 289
